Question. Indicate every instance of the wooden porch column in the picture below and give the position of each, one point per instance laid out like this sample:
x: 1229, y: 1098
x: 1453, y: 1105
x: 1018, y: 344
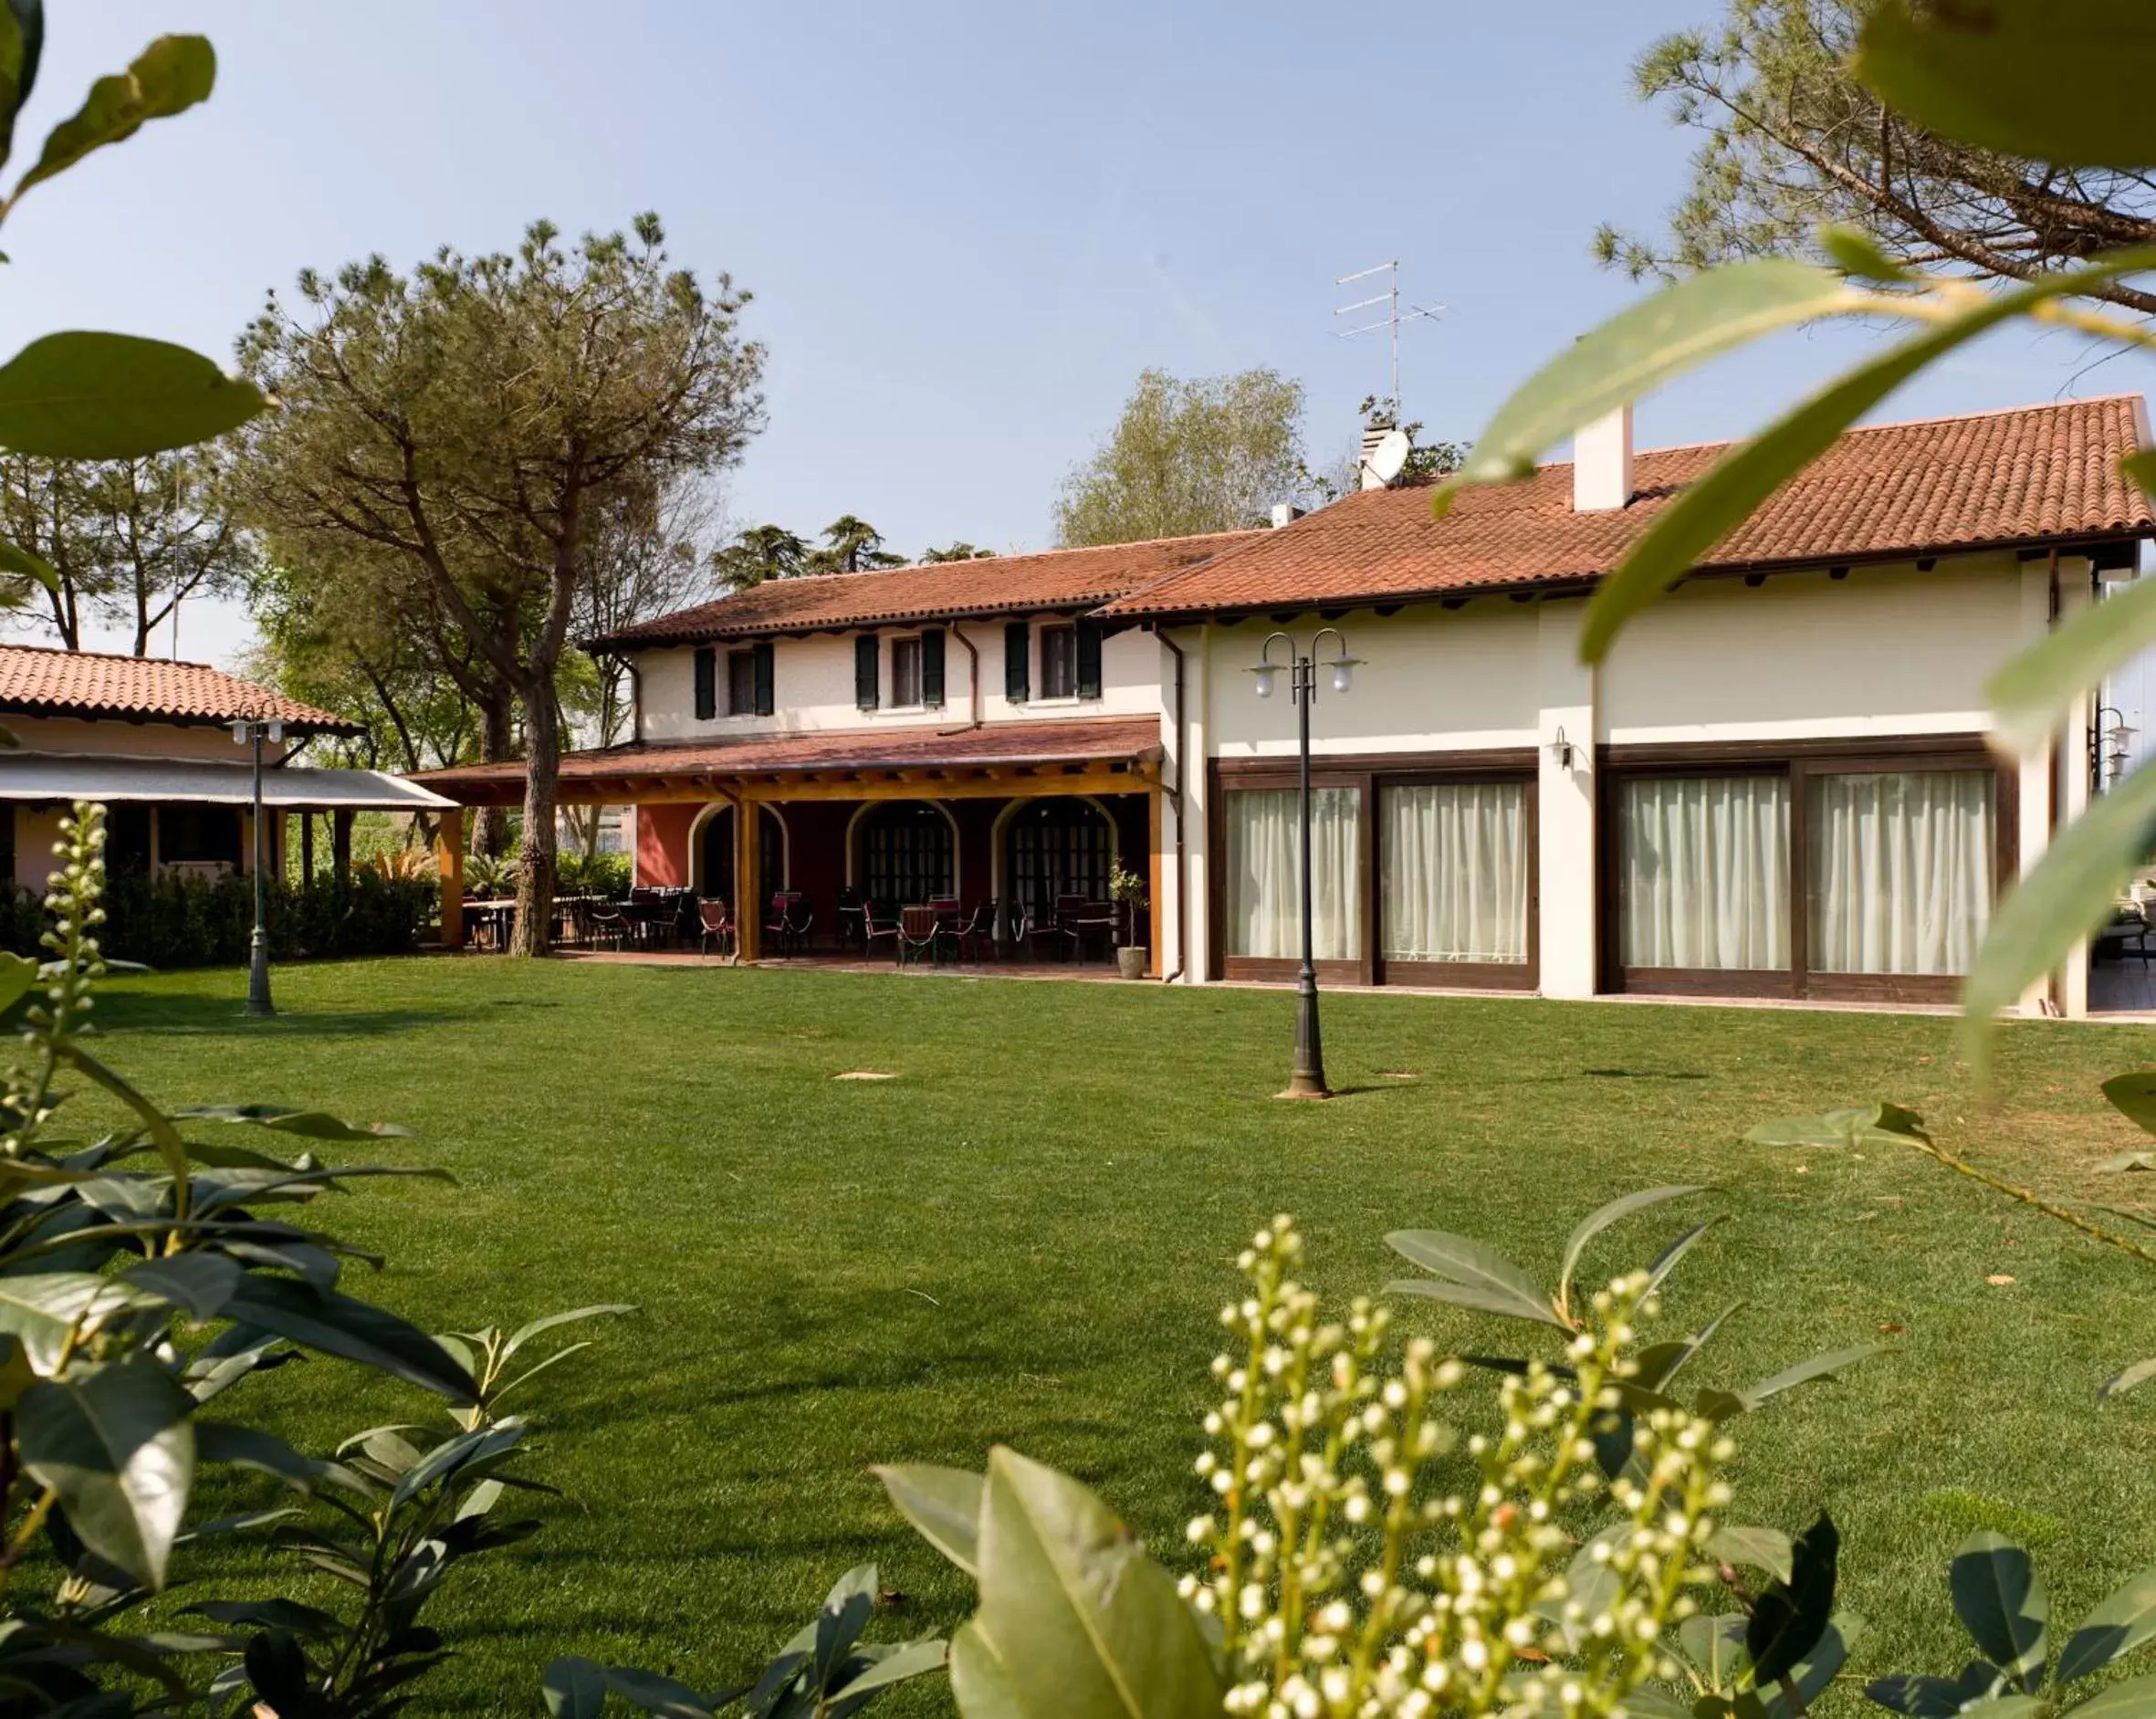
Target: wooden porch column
x: 449, y: 859
x: 748, y: 884
x: 340, y: 845
x: 1155, y: 934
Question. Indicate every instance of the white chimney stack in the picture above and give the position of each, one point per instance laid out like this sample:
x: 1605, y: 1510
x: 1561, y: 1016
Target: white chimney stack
x: 1602, y: 463
x: 1372, y: 434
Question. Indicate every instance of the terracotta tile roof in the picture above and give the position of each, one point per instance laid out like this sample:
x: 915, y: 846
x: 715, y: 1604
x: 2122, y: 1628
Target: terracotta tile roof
x: 36, y: 680
x: 2040, y: 473
x: 1083, y: 741
x: 1002, y: 584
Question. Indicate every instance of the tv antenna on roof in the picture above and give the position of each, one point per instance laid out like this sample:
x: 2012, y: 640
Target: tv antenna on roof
x: 1394, y: 314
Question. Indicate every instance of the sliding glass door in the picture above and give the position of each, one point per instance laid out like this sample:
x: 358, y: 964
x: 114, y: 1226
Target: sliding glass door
x: 1703, y: 874
x: 1264, y: 901
x: 1810, y: 876
x: 1456, y: 883
x: 1902, y: 870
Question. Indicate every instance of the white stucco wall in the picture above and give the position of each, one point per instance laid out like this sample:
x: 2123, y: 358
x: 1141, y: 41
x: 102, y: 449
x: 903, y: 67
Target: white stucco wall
x: 1888, y: 650
x: 812, y: 680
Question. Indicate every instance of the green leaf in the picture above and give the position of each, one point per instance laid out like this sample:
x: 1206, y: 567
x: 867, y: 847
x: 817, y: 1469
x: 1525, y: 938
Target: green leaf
x: 1083, y: 1622
x: 1791, y: 1618
x: 980, y: 1683
x: 1857, y: 254
x: 337, y: 1324
x: 1475, y: 1275
x: 2133, y: 1699
x: 1976, y: 72
x: 525, y: 1333
x: 943, y: 1504
x: 2031, y: 696
x: 2114, y: 1628
x: 574, y: 1687
x: 1642, y: 347
x: 1817, y: 1670
x: 199, y: 1285
x: 2000, y: 1601
x: 844, y: 1615
x: 1716, y: 1646
x: 169, y: 77
x: 17, y: 976
x: 914, y: 1659
x: 656, y: 1695
x: 1936, y: 1697
x: 2067, y: 895
x: 40, y: 1307
x: 2133, y: 1096
x: 1765, y: 1549
x: 2140, y: 1373
x: 1595, y: 1222
x: 1827, y: 1366
x: 1706, y: 511
x: 20, y: 561
x: 116, y: 396
x: 314, y: 1125
x: 452, y: 1454
x: 115, y: 1444
x: 22, y: 36
x: 1665, y: 1261
x: 1862, y: 1125
x: 1593, y: 1585
x: 273, y: 1614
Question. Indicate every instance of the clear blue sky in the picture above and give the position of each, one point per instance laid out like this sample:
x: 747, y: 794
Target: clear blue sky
x: 968, y: 227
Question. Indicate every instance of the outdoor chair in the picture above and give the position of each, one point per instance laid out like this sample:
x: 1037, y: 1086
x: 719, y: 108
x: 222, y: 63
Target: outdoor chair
x: 788, y: 922
x: 716, y: 925
x: 849, y: 911
x: 1059, y: 931
x: 977, y: 934
x: 920, y: 933
x: 1092, y: 919
x: 609, y: 927
x: 876, y: 926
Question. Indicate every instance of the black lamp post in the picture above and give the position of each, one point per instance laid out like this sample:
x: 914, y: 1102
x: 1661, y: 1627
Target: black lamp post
x: 244, y: 732
x: 1308, y: 1081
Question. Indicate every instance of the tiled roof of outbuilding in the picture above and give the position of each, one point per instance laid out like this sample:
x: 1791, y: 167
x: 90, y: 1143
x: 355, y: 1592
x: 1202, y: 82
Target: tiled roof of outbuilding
x: 996, y: 585
x: 36, y: 680
x: 2028, y: 475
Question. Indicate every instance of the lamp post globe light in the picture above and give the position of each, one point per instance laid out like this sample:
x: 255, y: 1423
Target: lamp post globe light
x: 246, y: 731
x: 1308, y: 1080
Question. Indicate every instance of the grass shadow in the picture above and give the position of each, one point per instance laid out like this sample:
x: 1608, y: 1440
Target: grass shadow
x: 118, y: 1012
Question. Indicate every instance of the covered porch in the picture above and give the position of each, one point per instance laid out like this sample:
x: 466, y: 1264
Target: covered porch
x: 1007, y: 829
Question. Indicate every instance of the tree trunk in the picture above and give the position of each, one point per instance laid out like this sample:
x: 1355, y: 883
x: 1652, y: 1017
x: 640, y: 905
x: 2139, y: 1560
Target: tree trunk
x: 535, y: 857
x: 496, y: 742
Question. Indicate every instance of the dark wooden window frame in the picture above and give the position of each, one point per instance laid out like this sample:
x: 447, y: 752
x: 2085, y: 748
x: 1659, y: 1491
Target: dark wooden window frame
x: 1368, y: 773
x: 1059, y: 637
x: 1795, y: 762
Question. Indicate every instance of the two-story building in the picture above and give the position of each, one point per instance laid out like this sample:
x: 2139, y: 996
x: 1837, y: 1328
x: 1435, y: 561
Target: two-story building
x: 1778, y: 785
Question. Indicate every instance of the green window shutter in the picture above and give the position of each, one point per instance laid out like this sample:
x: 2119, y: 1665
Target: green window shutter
x: 706, y: 683
x: 1089, y: 659
x: 932, y: 670
x: 868, y: 656
x: 766, y: 681
x: 1018, y: 649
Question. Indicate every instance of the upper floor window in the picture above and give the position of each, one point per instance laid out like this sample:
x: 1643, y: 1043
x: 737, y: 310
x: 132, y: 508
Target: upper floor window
x: 741, y: 683
x: 1058, y: 662
x: 905, y: 672
x: 750, y: 689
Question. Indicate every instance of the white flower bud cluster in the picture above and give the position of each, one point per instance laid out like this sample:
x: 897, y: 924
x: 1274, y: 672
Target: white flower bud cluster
x: 73, y: 893
x: 1347, y: 1581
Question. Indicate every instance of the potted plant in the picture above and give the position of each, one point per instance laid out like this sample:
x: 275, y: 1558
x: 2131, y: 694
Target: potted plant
x: 1127, y: 890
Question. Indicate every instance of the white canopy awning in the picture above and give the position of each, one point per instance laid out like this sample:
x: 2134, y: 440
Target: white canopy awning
x: 288, y: 788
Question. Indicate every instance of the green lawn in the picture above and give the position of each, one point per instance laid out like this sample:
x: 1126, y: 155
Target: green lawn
x: 1025, y: 1237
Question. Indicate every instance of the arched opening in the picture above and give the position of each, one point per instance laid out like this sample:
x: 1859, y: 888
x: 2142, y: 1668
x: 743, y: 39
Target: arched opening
x: 1061, y: 846
x: 714, y: 846
x: 908, y: 852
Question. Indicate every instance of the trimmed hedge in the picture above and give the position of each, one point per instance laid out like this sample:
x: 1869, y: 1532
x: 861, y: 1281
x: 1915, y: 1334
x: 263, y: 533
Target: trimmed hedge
x: 174, y: 921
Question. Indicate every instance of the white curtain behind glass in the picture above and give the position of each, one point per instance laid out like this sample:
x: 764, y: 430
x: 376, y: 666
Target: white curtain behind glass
x: 1264, y: 873
x: 1455, y: 872
x: 1901, y: 872
x: 1705, y: 873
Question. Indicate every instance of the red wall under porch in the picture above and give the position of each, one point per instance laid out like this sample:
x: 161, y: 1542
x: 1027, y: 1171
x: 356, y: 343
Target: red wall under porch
x: 662, y: 845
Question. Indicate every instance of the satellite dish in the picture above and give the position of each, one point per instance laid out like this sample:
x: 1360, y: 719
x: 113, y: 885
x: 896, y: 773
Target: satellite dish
x: 1389, y: 458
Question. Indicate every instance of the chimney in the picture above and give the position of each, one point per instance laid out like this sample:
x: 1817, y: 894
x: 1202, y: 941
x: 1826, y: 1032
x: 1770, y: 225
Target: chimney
x: 1372, y: 435
x: 1602, y: 463
x: 1285, y: 514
